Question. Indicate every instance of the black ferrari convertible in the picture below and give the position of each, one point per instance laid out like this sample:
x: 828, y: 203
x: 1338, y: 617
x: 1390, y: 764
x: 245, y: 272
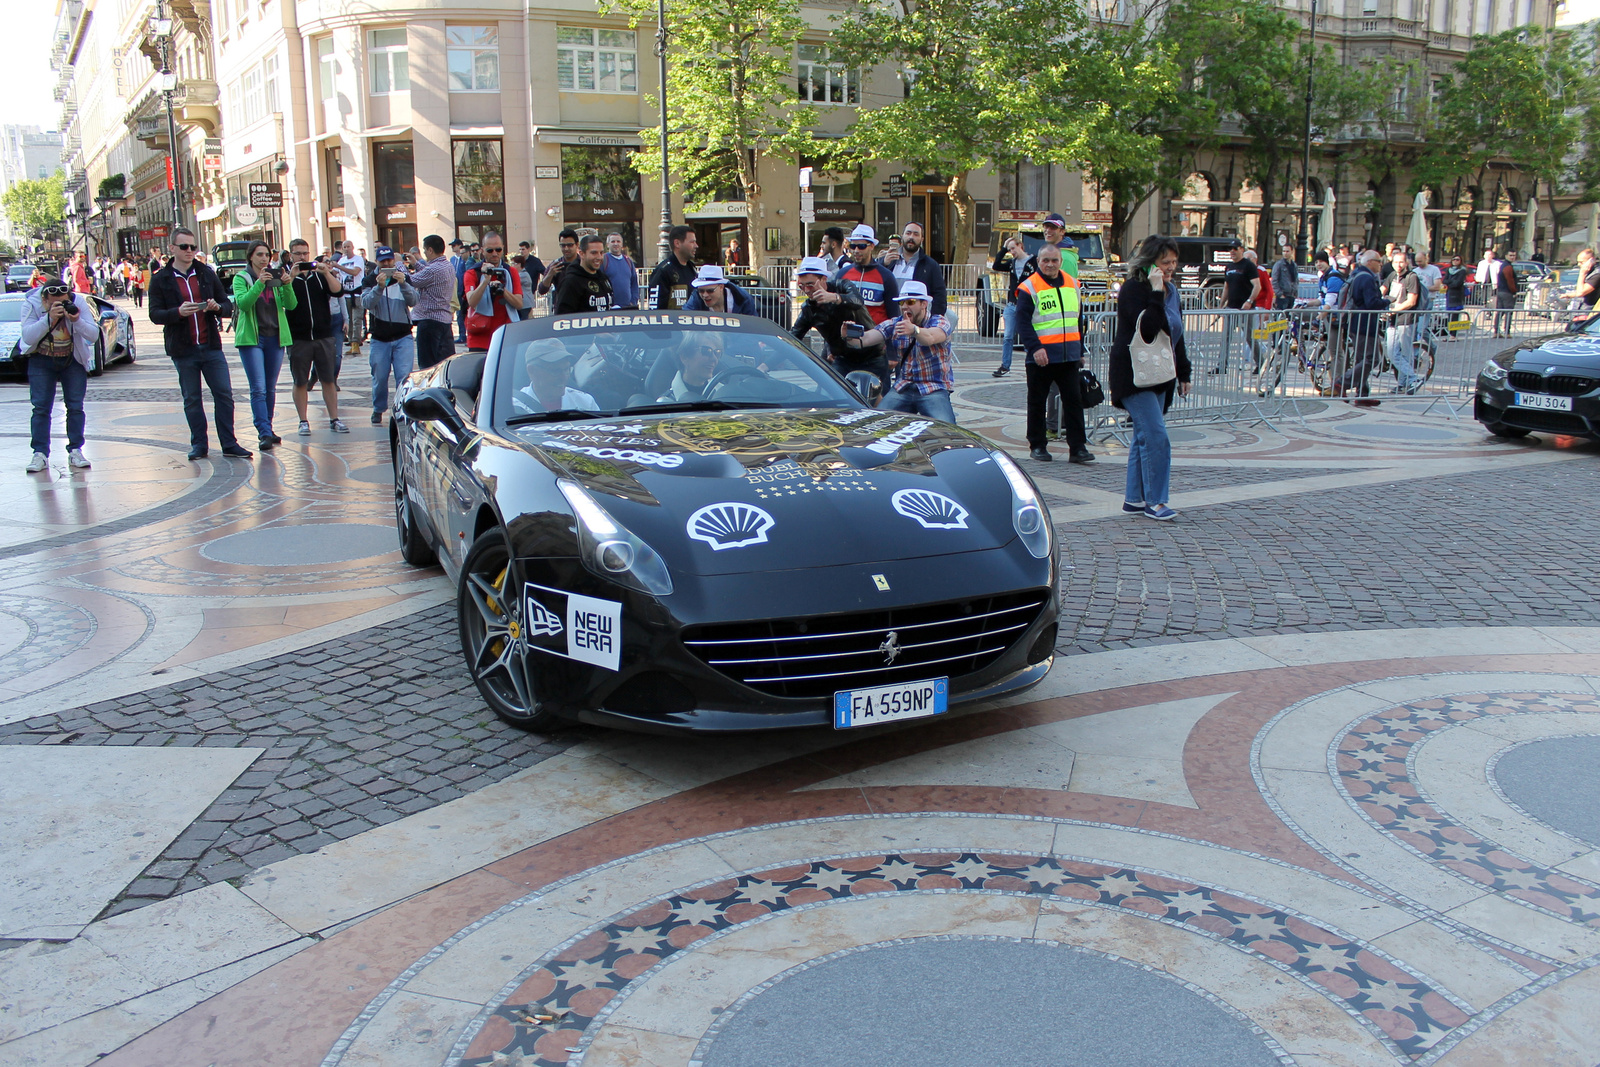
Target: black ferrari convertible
x: 678, y: 521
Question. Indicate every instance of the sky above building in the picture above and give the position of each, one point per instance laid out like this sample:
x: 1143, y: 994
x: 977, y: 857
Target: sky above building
x: 26, y: 80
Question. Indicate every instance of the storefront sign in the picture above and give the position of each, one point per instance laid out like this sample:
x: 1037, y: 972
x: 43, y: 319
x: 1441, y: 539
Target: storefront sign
x: 398, y: 213
x: 475, y: 213
x: 898, y: 186
x: 547, y: 172
x: 1008, y: 215
x: 245, y: 215
x: 595, y: 138
x: 266, y: 194
x: 719, y: 209
x: 839, y: 211
x: 336, y: 217
x: 602, y: 210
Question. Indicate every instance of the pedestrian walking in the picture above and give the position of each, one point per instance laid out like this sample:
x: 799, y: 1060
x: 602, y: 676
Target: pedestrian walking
x: 388, y: 302
x: 1148, y: 307
x: 434, y: 278
x: 494, y: 293
x: 829, y: 306
x: 1505, y: 297
x: 872, y: 277
x: 188, y: 302
x: 624, y: 274
x: 1285, y: 279
x: 59, y: 331
x: 831, y: 250
x: 263, y: 298
x: 1454, y: 278
x: 1404, y: 293
x: 1241, y: 285
x: 918, y: 344
x: 1362, y: 293
x: 458, y: 263
x: 314, y: 338
x: 1013, y: 261
x: 1048, y: 308
x: 672, y: 280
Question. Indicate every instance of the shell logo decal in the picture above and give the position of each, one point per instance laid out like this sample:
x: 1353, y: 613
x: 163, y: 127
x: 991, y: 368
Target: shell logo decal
x: 934, y: 511
x: 730, y: 525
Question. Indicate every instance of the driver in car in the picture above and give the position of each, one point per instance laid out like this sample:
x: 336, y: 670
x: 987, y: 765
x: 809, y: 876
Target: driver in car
x: 549, y: 366
x: 698, y: 357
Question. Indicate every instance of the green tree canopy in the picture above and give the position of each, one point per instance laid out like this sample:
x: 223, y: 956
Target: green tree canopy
x: 731, y: 100
x: 36, y: 205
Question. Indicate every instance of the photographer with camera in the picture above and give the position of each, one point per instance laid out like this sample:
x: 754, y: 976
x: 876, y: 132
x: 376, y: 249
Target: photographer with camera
x: 834, y: 310
x: 263, y: 300
x: 58, y: 335
x: 494, y: 294
x: 389, y: 301
x: 313, y: 335
x: 188, y: 301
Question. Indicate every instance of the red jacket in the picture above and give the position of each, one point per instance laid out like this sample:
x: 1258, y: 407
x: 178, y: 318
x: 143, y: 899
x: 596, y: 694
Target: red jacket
x: 1264, y: 297
x: 482, y: 327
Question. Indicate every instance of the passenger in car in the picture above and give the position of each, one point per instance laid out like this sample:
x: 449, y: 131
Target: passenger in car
x: 549, y: 366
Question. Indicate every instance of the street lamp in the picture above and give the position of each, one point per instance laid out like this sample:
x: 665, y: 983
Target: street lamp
x: 161, y: 28
x: 664, y: 240
x: 105, y: 203
x: 1303, y: 239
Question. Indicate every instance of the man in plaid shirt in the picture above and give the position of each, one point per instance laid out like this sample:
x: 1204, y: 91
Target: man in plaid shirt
x: 918, y: 344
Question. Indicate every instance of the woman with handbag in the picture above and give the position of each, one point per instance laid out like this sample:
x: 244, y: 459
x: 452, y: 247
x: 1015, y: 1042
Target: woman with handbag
x: 1148, y: 364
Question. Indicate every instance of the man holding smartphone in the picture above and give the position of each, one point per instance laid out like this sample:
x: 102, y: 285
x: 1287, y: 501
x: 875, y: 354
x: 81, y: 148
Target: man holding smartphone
x: 834, y: 310
x: 314, y: 337
x: 188, y: 302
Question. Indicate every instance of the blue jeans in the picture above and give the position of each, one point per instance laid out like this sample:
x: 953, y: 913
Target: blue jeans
x: 43, y: 374
x: 935, y: 405
x: 1150, y: 454
x: 461, y: 318
x: 262, y: 365
x: 1403, y: 357
x: 1008, y: 339
x: 208, y: 364
x: 339, y: 343
x: 399, y: 356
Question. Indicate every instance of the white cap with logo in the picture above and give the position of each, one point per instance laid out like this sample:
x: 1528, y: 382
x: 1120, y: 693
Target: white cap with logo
x: 813, y: 265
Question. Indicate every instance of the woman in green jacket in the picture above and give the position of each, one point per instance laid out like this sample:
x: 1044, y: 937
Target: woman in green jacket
x: 262, y: 333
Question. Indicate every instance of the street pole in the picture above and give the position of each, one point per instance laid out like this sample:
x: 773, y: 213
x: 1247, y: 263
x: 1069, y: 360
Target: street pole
x: 664, y: 241
x: 1303, y: 240
x: 168, y: 83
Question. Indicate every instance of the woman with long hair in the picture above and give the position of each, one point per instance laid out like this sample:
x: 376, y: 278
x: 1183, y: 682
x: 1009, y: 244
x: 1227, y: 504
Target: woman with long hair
x: 262, y: 296
x: 1148, y: 303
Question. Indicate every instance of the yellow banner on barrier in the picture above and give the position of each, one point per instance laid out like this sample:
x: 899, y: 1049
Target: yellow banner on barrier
x: 1459, y: 325
x: 1265, y: 331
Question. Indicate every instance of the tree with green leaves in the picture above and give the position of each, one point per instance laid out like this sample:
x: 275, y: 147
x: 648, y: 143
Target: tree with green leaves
x: 1249, y: 58
x: 731, y: 99
x: 36, y: 206
x: 985, y: 85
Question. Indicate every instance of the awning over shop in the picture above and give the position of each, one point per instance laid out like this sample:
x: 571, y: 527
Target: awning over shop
x: 207, y: 214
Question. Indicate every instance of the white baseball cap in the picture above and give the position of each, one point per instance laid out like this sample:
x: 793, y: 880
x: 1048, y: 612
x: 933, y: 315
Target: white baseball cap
x: 812, y: 265
x: 863, y: 232
x: 710, y: 274
x: 914, y: 291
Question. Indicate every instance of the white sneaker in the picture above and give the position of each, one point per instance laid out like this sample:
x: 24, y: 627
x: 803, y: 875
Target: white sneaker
x: 76, y: 459
x: 38, y: 463
x: 305, y: 428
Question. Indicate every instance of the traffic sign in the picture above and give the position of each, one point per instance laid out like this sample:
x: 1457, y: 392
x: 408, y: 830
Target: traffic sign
x: 266, y: 194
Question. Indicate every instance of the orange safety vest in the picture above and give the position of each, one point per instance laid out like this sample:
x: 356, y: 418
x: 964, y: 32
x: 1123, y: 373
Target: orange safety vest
x: 1055, y: 308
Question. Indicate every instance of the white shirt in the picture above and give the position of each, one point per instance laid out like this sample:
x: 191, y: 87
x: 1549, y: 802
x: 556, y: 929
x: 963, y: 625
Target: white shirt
x: 1430, y: 276
x: 525, y: 400
x: 352, y: 282
x: 1488, y: 267
x: 905, y: 267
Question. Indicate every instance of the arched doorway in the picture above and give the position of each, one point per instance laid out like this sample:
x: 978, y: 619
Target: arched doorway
x: 1191, y: 218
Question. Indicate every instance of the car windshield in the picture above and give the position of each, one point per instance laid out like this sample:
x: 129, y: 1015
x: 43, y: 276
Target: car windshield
x: 22, y: 271
x: 10, y: 311
x: 605, y: 364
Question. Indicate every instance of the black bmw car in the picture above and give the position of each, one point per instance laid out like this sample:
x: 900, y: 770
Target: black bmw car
x: 1549, y: 384
x: 680, y: 521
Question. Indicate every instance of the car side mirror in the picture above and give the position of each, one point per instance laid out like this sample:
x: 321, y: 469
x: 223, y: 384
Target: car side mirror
x: 866, y: 385
x: 108, y: 315
x: 433, y: 405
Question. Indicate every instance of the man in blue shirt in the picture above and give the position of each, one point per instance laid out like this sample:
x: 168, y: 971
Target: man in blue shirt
x: 458, y: 263
x: 623, y: 274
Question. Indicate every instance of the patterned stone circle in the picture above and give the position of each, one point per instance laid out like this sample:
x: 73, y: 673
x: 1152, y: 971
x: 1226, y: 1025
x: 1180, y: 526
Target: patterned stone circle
x: 1492, y: 772
x: 1370, y: 762
x: 727, y: 1016
x: 546, y: 1016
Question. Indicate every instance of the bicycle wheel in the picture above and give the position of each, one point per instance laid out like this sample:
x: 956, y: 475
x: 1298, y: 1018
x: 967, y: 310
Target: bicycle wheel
x: 1424, y: 353
x: 1319, y: 365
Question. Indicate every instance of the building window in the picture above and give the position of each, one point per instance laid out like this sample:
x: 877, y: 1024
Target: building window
x: 269, y: 84
x: 596, y: 61
x: 335, y: 179
x: 479, y: 174
x: 387, y: 59
x: 474, y: 57
x: 823, y: 81
x: 1369, y: 7
x: 395, y: 172
x: 327, y: 67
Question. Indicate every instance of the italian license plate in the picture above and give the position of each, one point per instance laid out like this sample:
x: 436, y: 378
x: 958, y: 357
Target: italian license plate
x: 890, y: 703
x: 1544, y: 402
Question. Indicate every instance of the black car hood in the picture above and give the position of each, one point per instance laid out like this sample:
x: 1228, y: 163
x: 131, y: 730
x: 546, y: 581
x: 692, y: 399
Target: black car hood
x: 734, y: 493
x: 1574, y: 352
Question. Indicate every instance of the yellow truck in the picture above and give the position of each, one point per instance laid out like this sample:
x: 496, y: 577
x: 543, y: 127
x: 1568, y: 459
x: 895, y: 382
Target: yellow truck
x: 1096, y: 277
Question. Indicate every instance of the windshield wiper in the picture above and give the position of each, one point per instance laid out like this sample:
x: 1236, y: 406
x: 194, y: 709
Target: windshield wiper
x: 699, y: 405
x: 560, y: 415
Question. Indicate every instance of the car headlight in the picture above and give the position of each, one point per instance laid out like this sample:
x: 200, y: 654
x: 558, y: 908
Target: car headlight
x: 1028, y: 513
x: 1494, y: 371
x: 610, y: 550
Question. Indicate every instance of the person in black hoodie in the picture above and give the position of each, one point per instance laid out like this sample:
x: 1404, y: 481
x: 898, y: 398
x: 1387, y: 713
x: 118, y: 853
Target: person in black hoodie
x: 1148, y: 303
x: 314, y: 342
x: 188, y: 301
x: 585, y: 285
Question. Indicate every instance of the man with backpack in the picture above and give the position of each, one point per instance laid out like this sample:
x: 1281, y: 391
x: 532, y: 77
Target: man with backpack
x: 1404, y: 293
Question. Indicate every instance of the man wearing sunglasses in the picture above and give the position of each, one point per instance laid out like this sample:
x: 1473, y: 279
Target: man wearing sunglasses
x: 188, y: 301
x: 59, y: 330
x: 873, y: 279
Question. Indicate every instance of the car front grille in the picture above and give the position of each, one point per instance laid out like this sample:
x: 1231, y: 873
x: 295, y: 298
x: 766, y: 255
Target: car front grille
x: 1548, y: 421
x: 814, y: 657
x: 1556, y: 384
